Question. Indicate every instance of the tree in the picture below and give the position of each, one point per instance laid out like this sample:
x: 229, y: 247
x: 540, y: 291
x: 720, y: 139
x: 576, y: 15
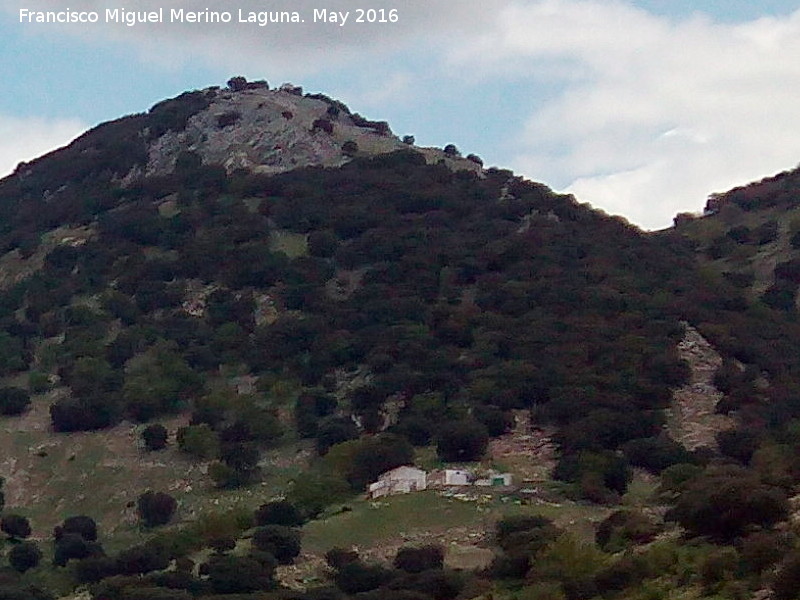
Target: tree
x: 463, y: 441
x: 278, y: 512
x: 237, y: 574
x: 357, y: 577
x: 655, y: 453
x: 725, y: 501
x: 598, y: 476
x: 376, y: 455
x: 72, y: 546
x: 416, y: 560
x: 199, y: 441
x: 24, y: 556
x: 451, y: 150
x: 142, y: 558
x: 159, y: 383
x: 496, y: 421
x: 155, y: 508
x: 155, y: 437
x: 335, y: 430
x: 282, y: 542
x: 80, y: 525
x: 11, y: 353
x: 15, y: 526
x: 339, y: 557
x: 622, y: 527
x: 13, y: 401
x: 241, y: 462
x: 315, y: 490
x: 237, y: 84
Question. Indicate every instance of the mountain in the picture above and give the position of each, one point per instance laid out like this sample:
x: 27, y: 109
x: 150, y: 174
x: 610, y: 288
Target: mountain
x: 295, y: 301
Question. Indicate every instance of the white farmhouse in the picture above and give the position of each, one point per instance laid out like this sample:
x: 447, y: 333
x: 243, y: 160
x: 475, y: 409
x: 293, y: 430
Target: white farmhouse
x: 401, y: 480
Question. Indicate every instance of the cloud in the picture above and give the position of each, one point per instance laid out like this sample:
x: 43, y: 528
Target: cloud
x: 24, y: 138
x: 652, y: 113
x: 637, y: 113
x: 286, y: 48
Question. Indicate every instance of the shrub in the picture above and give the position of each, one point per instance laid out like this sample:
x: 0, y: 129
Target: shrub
x: 572, y: 563
x: 655, y: 453
x: 496, y: 421
x: 282, y: 542
x: 323, y: 125
x: 141, y: 559
x: 95, y: 568
x: 437, y: 583
x: 38, y: 382
x: 376, y: 455
x: 622, y: 528
x: 357, y: 577
x: 155, y: 508
x: 72, y: 546
x: 24, y: 556
x: 155, y: 437
x: 418, y: 430
x: 237, y: 84
x: 451, y: 150
x: 738, y: 444
x: 227, y: 119
x: 463, y: 441
x: 15, y: 526
x: 279, y: 512
x: 80, y: 525
x: 416, y: 560
x: 787, y: 579
x: 598, y: 475
x: 337, y: 558
x: 761, y: 550
x: 334, y: 430
x: 724, y: 502
x: 313, y: 492
x: 237, y: 574
x: 13, y: 401
x: 199, y: 441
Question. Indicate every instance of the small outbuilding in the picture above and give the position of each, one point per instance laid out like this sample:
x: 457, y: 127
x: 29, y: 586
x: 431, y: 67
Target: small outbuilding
x: 457, y: 477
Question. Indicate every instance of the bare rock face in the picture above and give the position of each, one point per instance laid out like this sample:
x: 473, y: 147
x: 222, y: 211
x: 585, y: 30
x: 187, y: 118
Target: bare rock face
x: 692, y: 420
x: 272, y: 131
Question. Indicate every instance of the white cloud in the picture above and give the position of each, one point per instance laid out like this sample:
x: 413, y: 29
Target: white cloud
x: 636, y: 113
x: 23, y: 138
x: 276, y: 47
x: 653, y: 113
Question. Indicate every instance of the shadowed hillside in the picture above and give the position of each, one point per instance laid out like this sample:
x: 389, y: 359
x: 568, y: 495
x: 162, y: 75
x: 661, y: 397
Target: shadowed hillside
x: 222, y: 319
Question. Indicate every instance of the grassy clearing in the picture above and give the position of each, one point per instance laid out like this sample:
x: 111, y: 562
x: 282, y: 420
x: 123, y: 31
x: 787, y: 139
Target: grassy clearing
x: 430, y: 515
x: 101, y: 474
x: 291, y: 244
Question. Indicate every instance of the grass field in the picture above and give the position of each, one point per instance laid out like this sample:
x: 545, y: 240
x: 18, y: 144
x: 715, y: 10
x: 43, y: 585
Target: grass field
x: 101, y: 474
x: 429, y: 516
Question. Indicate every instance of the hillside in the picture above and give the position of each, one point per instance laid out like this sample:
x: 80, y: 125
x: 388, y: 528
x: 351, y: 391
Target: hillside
x: 246, y: 295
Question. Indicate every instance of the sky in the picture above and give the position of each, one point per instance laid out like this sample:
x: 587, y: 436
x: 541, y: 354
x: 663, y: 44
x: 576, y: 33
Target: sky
x: 641, y: 108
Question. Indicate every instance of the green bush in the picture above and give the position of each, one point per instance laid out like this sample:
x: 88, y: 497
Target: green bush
x: 199, y: 441
x: 13, y: 401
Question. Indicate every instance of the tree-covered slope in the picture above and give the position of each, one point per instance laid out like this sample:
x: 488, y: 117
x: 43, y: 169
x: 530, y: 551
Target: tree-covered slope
x: 365, y: 300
